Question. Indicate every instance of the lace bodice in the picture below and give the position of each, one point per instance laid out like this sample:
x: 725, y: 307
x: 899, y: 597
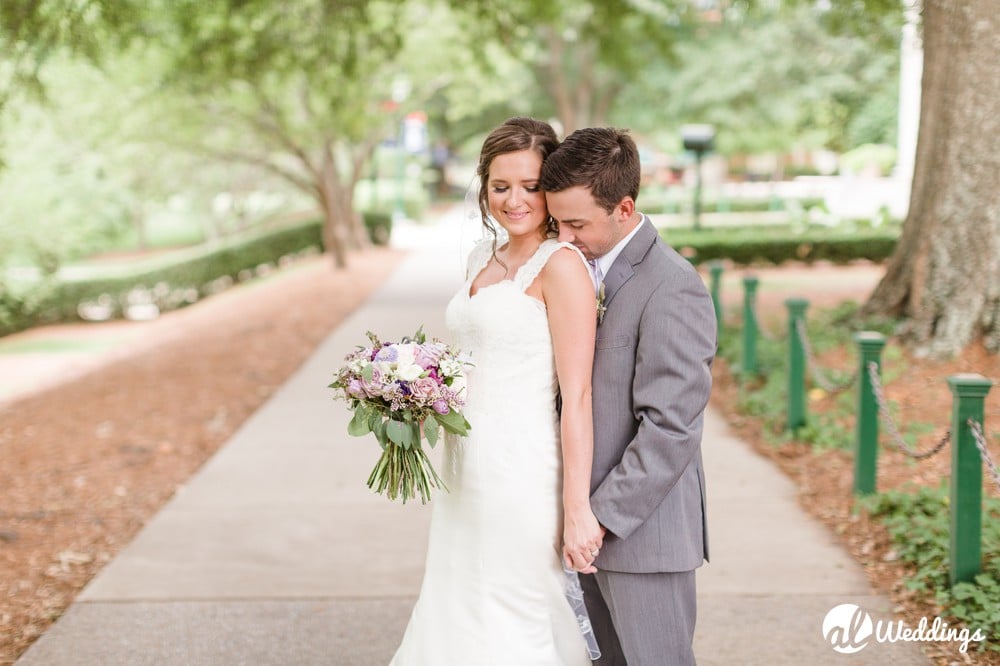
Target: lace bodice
x: 505, y: 330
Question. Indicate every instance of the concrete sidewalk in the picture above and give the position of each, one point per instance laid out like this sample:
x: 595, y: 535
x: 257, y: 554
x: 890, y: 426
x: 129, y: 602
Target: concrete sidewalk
x: 275, y: 552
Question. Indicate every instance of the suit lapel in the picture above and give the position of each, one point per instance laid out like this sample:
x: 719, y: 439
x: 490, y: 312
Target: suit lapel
x: 622, y: 270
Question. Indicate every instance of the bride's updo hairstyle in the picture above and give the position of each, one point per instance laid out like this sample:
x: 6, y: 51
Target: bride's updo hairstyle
x: 517, y: 134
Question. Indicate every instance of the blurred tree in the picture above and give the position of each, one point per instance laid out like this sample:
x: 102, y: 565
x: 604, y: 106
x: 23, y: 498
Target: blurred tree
x: 582, y: 55
x: 944, y: 277
x: 466, y: 86
x: 773, y: 80
x: 33, y: 31
x: 304, y: 89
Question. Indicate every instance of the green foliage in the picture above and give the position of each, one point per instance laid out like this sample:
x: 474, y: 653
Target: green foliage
x: 773, y: 79
x: 169, y: 282
x: 33, y: 31
x: 379, y: 227
x: 918, y: 523
x: 678, y: 200
x: 766, y: 396
x: 580, y: 54
x: 754, y: 244
x: 383, y: 195
x: 879, y: 156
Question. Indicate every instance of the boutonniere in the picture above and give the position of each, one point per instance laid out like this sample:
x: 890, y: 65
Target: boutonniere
x: 601, y: 308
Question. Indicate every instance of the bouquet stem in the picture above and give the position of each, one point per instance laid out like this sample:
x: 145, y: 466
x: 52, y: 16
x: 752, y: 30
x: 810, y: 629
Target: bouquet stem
x: 400, y: 472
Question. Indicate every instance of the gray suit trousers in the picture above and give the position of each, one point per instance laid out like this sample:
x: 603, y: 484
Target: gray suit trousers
x: 642, y: 619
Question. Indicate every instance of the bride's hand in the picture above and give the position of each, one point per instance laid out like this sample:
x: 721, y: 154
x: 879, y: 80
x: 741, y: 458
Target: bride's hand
x: 582, y: 539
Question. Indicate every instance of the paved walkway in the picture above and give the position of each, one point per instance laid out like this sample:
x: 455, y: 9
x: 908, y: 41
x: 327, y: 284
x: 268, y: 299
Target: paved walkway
x: 276, y: 553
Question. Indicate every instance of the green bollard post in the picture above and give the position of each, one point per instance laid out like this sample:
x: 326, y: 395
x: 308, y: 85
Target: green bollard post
x: 749, y: 365
x: 965, y: 548
x: 715, y: 270
x: 870, y: 346
x: 796, y: 365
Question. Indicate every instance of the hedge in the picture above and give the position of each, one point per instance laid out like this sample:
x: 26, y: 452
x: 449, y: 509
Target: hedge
x: 659, y: 203
x: 749, y: 245
x: 170, y: 282
x: 194, y: 269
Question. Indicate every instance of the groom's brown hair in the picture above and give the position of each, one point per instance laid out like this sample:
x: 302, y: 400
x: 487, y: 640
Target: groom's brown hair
x: 605, y: 160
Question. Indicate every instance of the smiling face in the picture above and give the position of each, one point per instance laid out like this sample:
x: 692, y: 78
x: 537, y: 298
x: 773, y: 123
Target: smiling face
x: 515, y: 199
x: 586, y: 225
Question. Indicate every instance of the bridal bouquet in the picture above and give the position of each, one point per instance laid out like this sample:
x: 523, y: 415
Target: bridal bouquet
x: 404, y: 392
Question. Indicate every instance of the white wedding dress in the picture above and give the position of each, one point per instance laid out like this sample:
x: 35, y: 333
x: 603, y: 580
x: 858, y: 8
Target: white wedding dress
x: 494, y: 591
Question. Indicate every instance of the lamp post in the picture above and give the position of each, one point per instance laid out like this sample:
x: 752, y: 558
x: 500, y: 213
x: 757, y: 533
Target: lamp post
x: 698, y: 139
x: 400, y: 91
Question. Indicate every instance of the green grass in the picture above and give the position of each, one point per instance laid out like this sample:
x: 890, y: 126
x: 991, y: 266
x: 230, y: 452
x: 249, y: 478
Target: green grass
x: 54, y: 346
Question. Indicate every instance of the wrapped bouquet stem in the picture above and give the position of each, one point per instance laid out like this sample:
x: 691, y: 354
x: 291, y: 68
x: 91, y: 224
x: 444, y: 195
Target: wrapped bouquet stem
x: 404, y: 393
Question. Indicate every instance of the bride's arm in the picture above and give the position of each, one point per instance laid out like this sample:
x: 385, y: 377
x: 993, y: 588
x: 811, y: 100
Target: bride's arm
x: 572, y: 312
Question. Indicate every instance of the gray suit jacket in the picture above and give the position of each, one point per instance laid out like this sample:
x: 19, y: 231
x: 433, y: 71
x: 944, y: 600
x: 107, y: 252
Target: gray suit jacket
x: 652, y: 378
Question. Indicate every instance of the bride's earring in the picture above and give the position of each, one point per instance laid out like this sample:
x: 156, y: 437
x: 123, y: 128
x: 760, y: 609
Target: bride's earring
x: 551, y: 226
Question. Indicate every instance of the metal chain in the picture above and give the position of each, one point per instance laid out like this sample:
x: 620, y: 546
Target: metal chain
x: 896, y: 439
x: 770, y: 337
x: 977, y: 434
x: 821, y: 380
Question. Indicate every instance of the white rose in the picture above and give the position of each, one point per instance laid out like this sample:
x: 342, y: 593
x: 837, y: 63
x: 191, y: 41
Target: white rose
x: 385, y: 368
x: 408, y: 372
x: 450, y: 367
x: 405, y: 355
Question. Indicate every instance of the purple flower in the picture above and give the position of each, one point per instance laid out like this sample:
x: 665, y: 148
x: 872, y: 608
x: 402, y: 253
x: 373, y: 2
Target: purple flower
x: 355, y: 389
x: 374, y: 385
x: 427, y: 356
x: 424, y: 388
x: 387, y: 353
x: 441, y: 407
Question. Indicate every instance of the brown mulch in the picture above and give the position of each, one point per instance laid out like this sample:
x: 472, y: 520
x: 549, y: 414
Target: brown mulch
x: 88, y: 461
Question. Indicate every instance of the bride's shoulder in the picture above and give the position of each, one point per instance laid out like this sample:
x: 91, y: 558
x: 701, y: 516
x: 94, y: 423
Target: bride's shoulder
x: 564, y: 252
x: 564, y: 259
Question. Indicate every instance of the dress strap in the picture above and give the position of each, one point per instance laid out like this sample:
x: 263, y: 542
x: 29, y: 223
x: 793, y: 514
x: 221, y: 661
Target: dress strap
x: 478, y: 258
x: 531, y: 268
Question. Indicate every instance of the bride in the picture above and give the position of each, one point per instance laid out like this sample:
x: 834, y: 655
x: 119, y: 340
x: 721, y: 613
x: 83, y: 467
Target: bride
x: 518, y: 507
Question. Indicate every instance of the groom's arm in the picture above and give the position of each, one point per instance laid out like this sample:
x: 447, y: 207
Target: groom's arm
x: 670, y: 389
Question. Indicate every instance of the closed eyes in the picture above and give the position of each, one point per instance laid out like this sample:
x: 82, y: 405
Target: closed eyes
x: 500, y: 189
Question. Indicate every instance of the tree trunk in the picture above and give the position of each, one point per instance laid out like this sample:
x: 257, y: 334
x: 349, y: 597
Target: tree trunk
x: 944, y: 276
x: 333, y: 241
x: 333, y: 224
x: 336, y: 222
x: 138, y: 218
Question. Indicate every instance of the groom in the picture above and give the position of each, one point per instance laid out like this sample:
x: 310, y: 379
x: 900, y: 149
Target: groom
x: 651, y: 382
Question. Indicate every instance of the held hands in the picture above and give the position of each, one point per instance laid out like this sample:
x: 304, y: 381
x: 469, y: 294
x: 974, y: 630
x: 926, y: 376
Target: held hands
x: 582, y: 540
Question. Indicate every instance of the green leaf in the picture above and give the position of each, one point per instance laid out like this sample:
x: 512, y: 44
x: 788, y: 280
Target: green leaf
x: 453, y: 422
x: 431, y: 432
x: 380, y: 433
x: 963, y: 591
x: 359, y: 423
x: 399, y: 433
x: 366, y: 372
